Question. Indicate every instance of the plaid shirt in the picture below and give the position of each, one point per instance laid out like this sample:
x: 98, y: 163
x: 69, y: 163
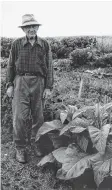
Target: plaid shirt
x: 25, y: 58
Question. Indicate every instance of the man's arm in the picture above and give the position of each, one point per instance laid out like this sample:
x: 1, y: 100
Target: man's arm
x: 49, y: 78
x: 11, y: 67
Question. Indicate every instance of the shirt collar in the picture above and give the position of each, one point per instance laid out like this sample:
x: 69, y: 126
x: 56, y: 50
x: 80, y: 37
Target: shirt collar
x: 38, y: 41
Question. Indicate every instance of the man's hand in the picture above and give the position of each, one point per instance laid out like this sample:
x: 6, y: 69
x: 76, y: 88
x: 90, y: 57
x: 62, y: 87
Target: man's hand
x: 47, y: 93
x: 10, y: 91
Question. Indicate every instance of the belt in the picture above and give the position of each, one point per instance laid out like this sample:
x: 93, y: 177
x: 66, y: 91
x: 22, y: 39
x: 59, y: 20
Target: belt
x: 27, y: 74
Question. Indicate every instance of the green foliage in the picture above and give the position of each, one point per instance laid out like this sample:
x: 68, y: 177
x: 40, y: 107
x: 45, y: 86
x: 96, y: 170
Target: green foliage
x: 99, y: 136
x: 75, y: 51
x: 4, y: 62
x: 75, y: 159
x: 74, y: 162
x: 67, y: 114
x: 77, y: 125
x: 102, y: 165
x: 82, y: 56
x: 102, y: 125
x: 79, y: 42
x: 61, y: 47
x: 104, y: 60
x: 47, y: 159
x: 6, y: 46
x: 62, y: 65
x: 47, y: 127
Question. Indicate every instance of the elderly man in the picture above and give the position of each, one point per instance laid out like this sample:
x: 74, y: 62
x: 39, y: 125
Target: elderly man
x: 29, y: 80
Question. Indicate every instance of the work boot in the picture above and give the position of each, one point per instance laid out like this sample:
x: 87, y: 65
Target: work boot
x: 35, y: 148
x: 21, y: 155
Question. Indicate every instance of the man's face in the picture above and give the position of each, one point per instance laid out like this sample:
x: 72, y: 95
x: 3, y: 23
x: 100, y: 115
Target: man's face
x: 30, y: 30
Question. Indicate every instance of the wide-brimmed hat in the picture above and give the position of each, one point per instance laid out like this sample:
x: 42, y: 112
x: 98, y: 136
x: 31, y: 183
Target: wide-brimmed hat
x: 29, y: 19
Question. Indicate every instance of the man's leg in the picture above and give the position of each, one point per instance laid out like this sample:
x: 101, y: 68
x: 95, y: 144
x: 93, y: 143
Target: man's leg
x: 37, y: 89
x: 21, y: 110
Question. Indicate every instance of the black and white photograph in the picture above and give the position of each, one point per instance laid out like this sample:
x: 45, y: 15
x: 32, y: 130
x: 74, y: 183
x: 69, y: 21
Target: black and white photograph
x: 56, y: 95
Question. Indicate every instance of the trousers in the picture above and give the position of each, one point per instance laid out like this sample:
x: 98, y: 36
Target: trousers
x: 27, y: 102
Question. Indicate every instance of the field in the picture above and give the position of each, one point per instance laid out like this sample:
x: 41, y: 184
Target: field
x: 67, y: 90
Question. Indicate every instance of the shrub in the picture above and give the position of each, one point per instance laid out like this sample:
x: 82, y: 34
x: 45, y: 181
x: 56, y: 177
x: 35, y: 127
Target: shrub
x: 80, y: 50
x: 68, y: 44
x: 81, y: 57
x: 6, y: 46
x: 104, y: 60
x: 62, y: 64
x: 79, y: 42
x: 61, y: 47
x: 64, y: 51
x: 6, y: 110
x: 55, y: 46
x: 3, y: 62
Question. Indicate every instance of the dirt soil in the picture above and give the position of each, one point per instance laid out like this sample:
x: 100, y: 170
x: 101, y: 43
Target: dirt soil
x: 16, y: 176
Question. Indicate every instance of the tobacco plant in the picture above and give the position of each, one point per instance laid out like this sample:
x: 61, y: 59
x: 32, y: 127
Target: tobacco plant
x: 82, y: 131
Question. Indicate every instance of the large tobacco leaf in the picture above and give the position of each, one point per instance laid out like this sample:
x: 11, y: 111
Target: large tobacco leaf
x: 59, y: 141
x: 102, y: 165
x: 99, y: 136
x: 74, y: 162
x: 68, y: 113
x: 46, y: 159
x: 77, y: 129
x: 60, y: 154
x: 105, y: 114
x: 83, y: 141
x: 67, y: 127
x: 49, y: 126
x: 79, y: 123
x: 80, y: 111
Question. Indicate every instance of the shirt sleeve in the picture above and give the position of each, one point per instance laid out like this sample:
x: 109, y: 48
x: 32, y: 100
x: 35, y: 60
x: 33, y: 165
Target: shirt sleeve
x: 49, y: 78
x: 11, y: 67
